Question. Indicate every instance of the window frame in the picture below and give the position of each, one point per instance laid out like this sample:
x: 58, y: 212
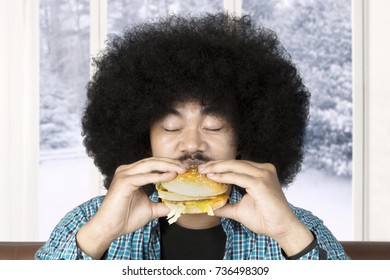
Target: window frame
x: 359, y: 119
x: 359, y: 138
x: 19, y: 199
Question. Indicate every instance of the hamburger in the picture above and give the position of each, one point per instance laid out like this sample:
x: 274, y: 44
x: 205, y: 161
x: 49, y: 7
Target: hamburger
x: 192, y: 193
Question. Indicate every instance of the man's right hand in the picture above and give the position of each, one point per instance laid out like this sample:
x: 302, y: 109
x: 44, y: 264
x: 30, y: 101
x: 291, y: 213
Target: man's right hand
x: 126, y: 208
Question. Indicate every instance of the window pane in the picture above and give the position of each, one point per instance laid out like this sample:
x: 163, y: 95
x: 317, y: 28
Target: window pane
x: 317, y: 34
x: 124, y: 13
x: 64, y: 72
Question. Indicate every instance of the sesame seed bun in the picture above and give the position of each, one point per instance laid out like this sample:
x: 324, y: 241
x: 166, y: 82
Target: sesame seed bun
x: 194, y: 184
x: 192, y: 193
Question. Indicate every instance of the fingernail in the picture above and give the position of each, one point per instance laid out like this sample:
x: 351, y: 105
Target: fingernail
x: 201, y: 168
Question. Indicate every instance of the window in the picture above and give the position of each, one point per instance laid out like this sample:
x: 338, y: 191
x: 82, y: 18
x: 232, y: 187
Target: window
x: 124, y: 13
x: 66, y: 179
x: 64, y: 73
x: 317, y: 34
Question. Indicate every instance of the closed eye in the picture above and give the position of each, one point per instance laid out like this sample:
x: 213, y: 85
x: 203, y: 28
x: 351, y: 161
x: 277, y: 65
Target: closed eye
x: 171, y: 130
x: 214, y: 129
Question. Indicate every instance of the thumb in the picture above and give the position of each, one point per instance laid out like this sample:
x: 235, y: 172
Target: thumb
x: 159, y: 209
x: 227, y: 211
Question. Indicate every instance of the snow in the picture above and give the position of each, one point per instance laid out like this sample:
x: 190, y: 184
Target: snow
x: 327, y: 197
x: 65, y: 183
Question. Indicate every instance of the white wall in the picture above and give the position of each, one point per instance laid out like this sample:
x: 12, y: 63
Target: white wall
x: 19, y: 119
x: 377, y: 105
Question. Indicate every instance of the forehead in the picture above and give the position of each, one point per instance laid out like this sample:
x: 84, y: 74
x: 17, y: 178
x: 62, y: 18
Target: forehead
x: 193, y: 109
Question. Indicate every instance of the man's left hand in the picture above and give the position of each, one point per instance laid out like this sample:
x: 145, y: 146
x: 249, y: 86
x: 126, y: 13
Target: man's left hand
x: 264, y: 208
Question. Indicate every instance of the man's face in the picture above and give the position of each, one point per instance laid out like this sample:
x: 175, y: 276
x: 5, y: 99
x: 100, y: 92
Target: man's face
x: 192, y: 136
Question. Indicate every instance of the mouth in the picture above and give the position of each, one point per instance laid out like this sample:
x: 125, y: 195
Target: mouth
x: 195, y: 162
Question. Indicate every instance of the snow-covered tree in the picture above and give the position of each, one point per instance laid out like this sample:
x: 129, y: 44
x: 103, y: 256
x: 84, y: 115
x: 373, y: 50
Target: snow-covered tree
x: 64, y: 70
x: 123, y: 14
x: 317, y: 34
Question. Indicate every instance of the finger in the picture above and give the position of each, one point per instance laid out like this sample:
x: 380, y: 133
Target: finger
x: 162, y: 159
x: 238, y: 179
x: 152, y: 165
x: 227, y: 211
x: 266, y: 166
x: 139, y: 180
x: 255, y: 187
x: 159, y: 209
x: 238, y: 166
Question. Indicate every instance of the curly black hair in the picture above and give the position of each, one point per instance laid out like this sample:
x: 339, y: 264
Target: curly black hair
x: 238, y: 69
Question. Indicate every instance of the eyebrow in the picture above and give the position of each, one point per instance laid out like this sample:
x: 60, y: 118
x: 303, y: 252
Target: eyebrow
x: 172, y: 111
x: 204, y: 111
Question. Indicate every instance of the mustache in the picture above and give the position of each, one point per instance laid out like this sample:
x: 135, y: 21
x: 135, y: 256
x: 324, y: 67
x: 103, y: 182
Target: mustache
x: 194, y: 156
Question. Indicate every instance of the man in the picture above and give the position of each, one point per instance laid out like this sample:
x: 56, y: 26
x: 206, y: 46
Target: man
x: 214, y: 91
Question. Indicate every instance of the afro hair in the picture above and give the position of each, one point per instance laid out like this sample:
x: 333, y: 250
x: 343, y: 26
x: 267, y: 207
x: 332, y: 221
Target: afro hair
x: 237, y: 68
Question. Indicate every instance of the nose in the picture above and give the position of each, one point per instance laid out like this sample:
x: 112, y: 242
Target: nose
x: 192, y: 141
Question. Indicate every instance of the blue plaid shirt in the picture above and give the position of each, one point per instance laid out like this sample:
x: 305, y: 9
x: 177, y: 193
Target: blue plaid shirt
x: 241, y: 243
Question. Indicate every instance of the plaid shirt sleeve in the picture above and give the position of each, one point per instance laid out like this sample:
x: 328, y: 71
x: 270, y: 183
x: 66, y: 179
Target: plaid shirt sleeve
x: 242, y: 244
x: 62, y: 242
x: 325, y: 245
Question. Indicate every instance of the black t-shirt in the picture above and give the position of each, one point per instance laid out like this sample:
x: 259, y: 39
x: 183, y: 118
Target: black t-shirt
x: 178, y: 243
